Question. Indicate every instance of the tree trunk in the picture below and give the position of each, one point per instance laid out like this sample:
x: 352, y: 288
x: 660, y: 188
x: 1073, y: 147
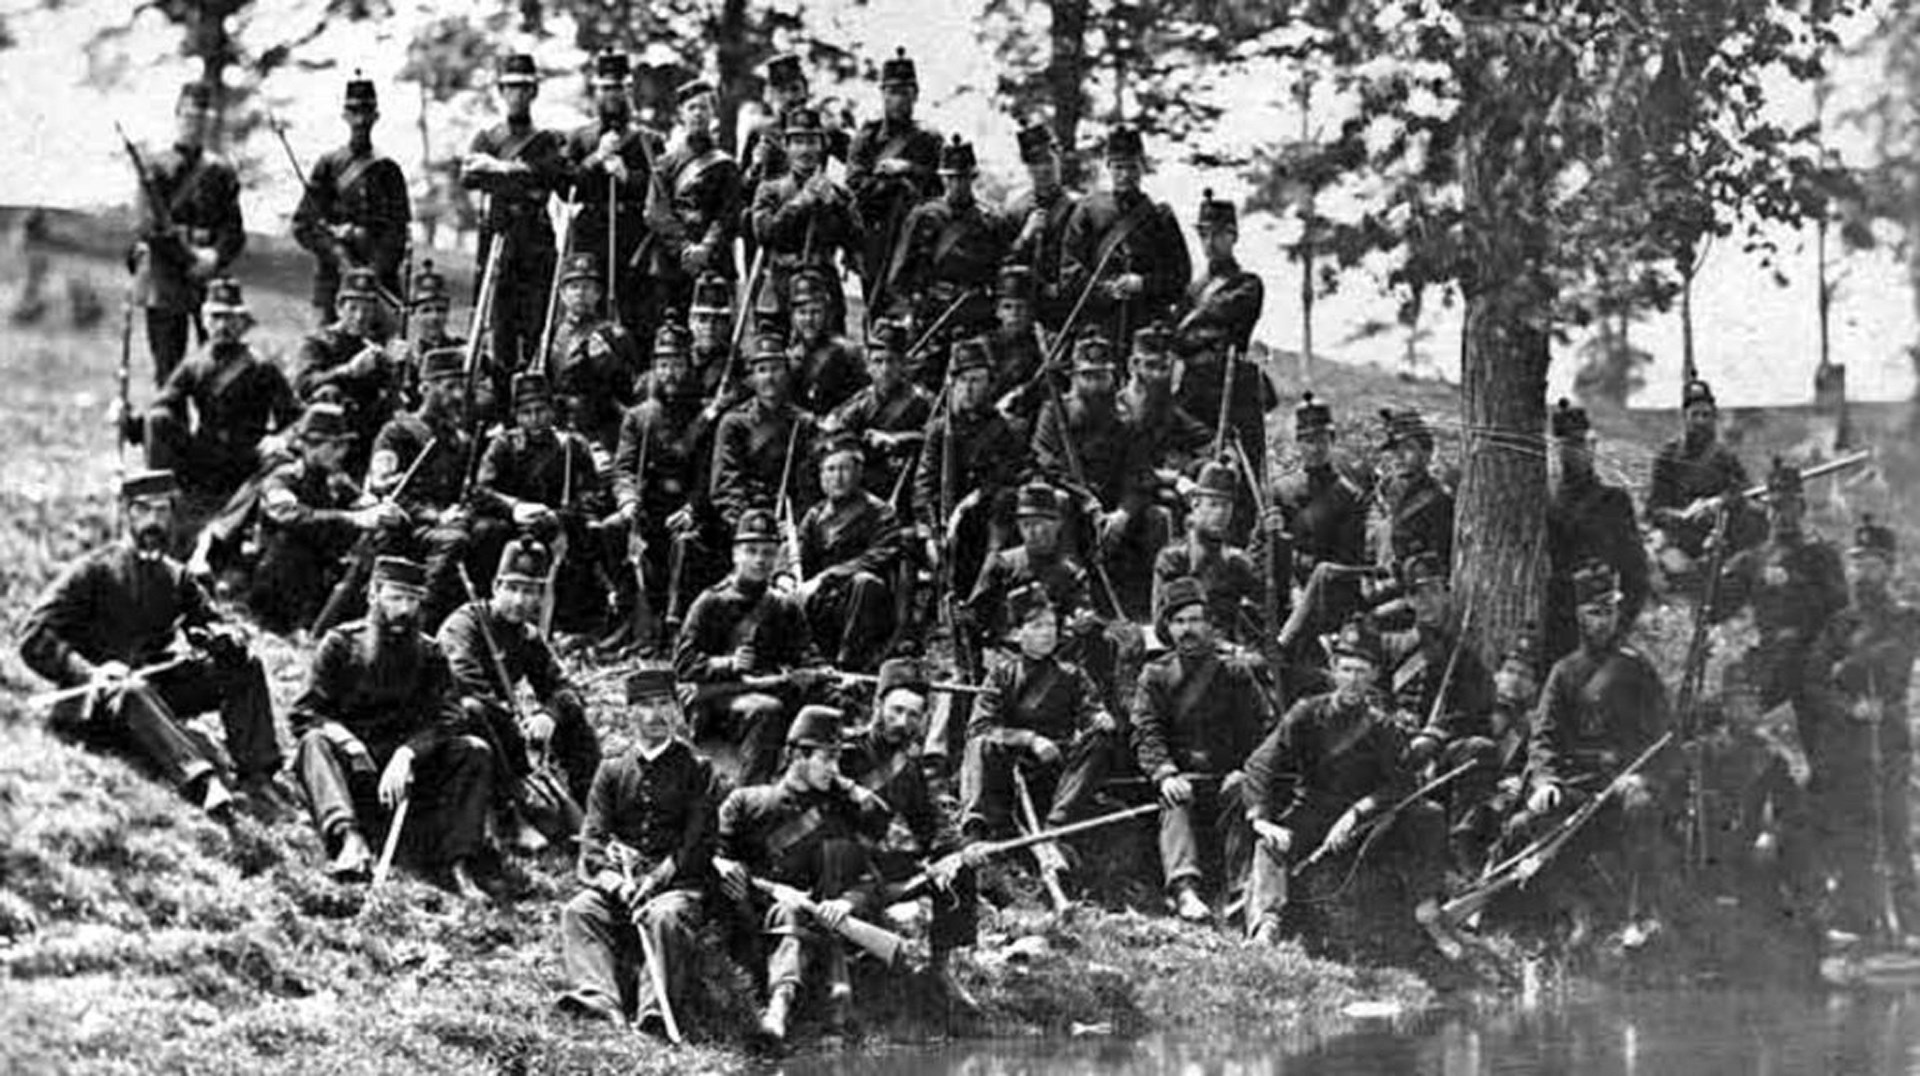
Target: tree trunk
x: 1066, y: 74
x: 734, y: 58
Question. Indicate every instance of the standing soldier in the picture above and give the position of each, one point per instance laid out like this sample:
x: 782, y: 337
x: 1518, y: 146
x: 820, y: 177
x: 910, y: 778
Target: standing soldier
x: 190, y: 229
x: 215, y: 408
x: 1197, y: 714
x: 1325, y: 512
x: 611, y: 163
x: 700, y: 186
x: 344, y: 363
x: 1587, y: 519
x: 646, y: 856
x: 760, y: 449
x: 593, y: 360
x: 804, y: 219
x: 378, y: 729
x: 889, y: 416
x: 1226, y: 571
x: 517, y: 166
x: 826, y: 366
x: 1690, y: 475
x: 1041, y: 213
x: 849, y: 553
x: 1124, y: 249
x: 432, y: 304
x: 1216, y: 329
x: 892, y: 167
x: 763, y: 151
x: 1416, y: 510
x: 115, y: 613
x: 355, y: 213
x: 949, y: 253
x: 963, y: 490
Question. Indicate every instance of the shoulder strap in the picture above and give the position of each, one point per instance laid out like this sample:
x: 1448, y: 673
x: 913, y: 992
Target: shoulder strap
x: 1195, y: 688
x: 690, y: 173
x: 1122, y: 230
x: 188, y: 184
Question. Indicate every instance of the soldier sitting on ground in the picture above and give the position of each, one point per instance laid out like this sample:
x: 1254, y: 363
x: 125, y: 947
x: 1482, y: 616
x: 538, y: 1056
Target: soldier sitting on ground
x: 889, y: 415
x: 825, y: 366
x: 1691, y: 475
x: 345, y: 362
x: 1227, y: 572
x: 591, y: 358
x: 432, y: 305
x: 849, y: 556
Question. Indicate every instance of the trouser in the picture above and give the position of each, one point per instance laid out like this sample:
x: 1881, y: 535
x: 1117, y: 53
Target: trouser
x: 1062, y: 792
x: 851, y: 616
x: 755, y: 723
x: 1862, y: 821
x: 799, y: 943
x: 1212, y: 827
x: 167, y: 337
x: 293, y: 578
x: 601, y: 950
x: 519, y: 311
x: 575, y: 745
x: 452, y: 785
x: 1129, y: 564
x: 955, y: 922
x: 1466, y: 799
x: 204, y: 462
x: 1628, y: 839
x: 1409, y: 851
x: 145, y: 720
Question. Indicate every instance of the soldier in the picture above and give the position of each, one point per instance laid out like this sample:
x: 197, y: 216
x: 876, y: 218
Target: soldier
x: 1197, y: 713
x: 1587, y: 519
x: 1325, y: 511
x: 1041, y: 558
x: 747, y: 652
x: 1123, y: 249
x: 1041, y: 213
x: 128, y: 624
x: 803, y: 218
x: 759, y: 449
x: 1038, y: 714
x: 826, y: 366
x: 1857, y: 675
x: 884, y: 758
x: 592, y: 360
x: 345, y: 363
x: 517, y: 166
x: 710, y: 322
x: 700, y: 186
x: 215, y: 408
x: 949, y: 253
x: 849, y: 561
x: 1226, y: 571
x: 889, y: 415
x: 1018, y: 350
x: 646, y: 859
x: 1516, y: 689
x: 432, y: 304
x: 1332, y: 764
x: 1175, y: 440
x: 354, y: 212
x: 1690, y: 476
x: 190, y: 229
x: 964, y: 486
x: 611, y: 161
x: 378, y: 725
x: 493, y: 645
x: 1216, y: 329
x: 810, y: 829
x: 1416, y: 510
x: 893, y: 166
x: 762, y: 151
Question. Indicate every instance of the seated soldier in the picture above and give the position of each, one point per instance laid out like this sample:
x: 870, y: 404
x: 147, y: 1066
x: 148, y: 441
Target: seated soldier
x: 591, y: 359
x: 1197, y: 714
x: 849, y: 549
x: 1334, y: 763
x: 746, y: 654
x: 432, y: 303
x: 1176, y: 441
x: 1227, y: 572
x: 491, y: 646
x: 885, y: 758
x: 1492, y: 792
x: 346, y: 363
x: 826, y: 366
x: 963, y: 489
x: 1042, y: 716
x: 811, y: 828
x: 645, y: 863
x: 889, y: 415
x: 759, y: 447
x: 126, y: 624
x: 378, y: 726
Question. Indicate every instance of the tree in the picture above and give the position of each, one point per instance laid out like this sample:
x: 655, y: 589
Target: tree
x: 447, y: 58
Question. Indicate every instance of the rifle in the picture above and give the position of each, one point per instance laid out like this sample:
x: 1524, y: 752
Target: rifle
x: 625, y: 855
x: 360, y: 561
x: 552, y: 597
x: 917, y: 884
x: 783, y: 509
x: 306, y: 188
x: 964, y: 655
x: 392, y: 843
x: 1097, y: 563
x: 1276, y: 567
x: 162, y: 239
x: 892, y: 950
x: 122, y: 424
x: 1045, y: 853
x: 939, y: 687
x: 1323, y: 573
x: 1226, y: 404
x: 939, y: 323
x: 1692, y: 680
x: 567, y: 211
x: 48, y: 698
x: 1376, y: 827
x: 644, y: 625
x: 482, y: 308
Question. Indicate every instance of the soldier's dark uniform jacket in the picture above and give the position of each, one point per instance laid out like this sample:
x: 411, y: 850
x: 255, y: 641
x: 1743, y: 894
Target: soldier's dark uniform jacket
x: 826, y: 373
x: 1026, y: 697
x: 777, y: 829
x: 1016, y: 359
x: 525, y: 655
x: 593, y: 187
x: 324, y: 365
x: 985, y: 457
x: 731, y: 614
x: 516, y: 212
x: 662, y: 808
x: 556, y: 470
x: 1589, y: 519
x: 1597, y: 712
x: 1227, y: 573
x: 1202, y: 716
x: 798, y: 231
x: 201, y: 195
x: 919, y: 829
x: 305, y: 530
x: 1415, y: 667
x: 1794, y: 587
x: 1174, y: 439
x: 1221, y: 309
x: 1326, y: 512
x: 861, y: 535
x: 237, y: 398
x: 945, y: 250
x: 1684, y: 473
x: 1419, y: 516
x: 702, y: 185
x: 437, y: 485
x: 1043, y: 250
x: 750, y: 454
x: 1006, y: 570
x: 1323, y: 757
x: 904, y: 412
x: 1115, y: 457
x: 883, y: 202
x: 354, y: 213
x: 383, y: 708
x: 1866, y: 652
x: 595, y: 362
x: 1145, y: 238
x: 672, y: 430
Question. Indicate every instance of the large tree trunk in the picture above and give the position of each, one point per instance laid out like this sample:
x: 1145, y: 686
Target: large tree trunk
x: 734, y: 58
x: 1066, y: 78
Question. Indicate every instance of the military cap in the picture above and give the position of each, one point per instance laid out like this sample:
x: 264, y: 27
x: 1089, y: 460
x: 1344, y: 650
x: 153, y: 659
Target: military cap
x: 672, y: 339
x: 1123, y: 143
x: 769, y: 346
x: 1872, y: 539
x: 324, y: 422
x: 1423, y: 566
x: 691, y: 89
x: 612, y: 68
x: 1150, y: 339
x: 1027, y: 601
x: 400, y: 572
x: 1037, y: 500
x: 816, y: 726
x: 712, y: 293
x: 810, y: 285
x: 1216, y: 212
x: 1358, y: 638
x: 430, y: 285
x: 842, y: 441
x: 802, y: 121
x: 1311, y: 416
x: 756, y: 525
x: 898, y: 71
x: 1569, y: 421
x: 1696, y: 392
x: 972, y: 353
x: 1037, y: 143
x: 196, y: 93
x: 908, y: 673
x: 1524, y: 651
x: 956, y: 158
x: 524, y: 560
x: 652, y: 683
x: 360, y: 95
x: 1015, y: 282
x: 223, y: 297
x: 517, y: 68
x: 784, y: 71
x: 530, y: 386
x: 1180, y: 593
x: 1407, y: 425
x: 1216, y: 480
x: 1784, y: 479
x: 1093, y: 351
x: 888, y: 335
x: 359, y: 284
x: 580, y: 265
x: 148, y: 483
x: 443, y: 364
x: 1595, y: 581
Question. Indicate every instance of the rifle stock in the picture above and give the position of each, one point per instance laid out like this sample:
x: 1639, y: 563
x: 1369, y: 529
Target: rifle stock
x: 360, y: 560
x: 892, y: 950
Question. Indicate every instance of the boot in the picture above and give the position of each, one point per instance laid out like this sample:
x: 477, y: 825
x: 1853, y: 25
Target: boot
x: 353, y: 860
x: 1188, y: 905
x: 773, y: 1022
x: 1266, y: 931
x: 959, y: 999
x: 518, y: 834
x: 460, y: 881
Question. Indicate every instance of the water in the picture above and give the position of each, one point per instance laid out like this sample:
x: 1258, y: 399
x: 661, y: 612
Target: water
x: 1705, y: 1033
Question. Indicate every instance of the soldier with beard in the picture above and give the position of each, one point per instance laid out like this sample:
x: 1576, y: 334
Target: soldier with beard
x: 591, y: 360
x: 804, y: 220
x: 1416, y: 510
x: 889, y: 415
x: 849, y: 556
x: 608, y: 162
x: 963, y: 489
x: 700, y: 185
x: 949, y: 252
x: 756, y: 445
x: 1690, y: 474
x: 1041, y: 213
x: 1123, y: 249
x: 354, y: 212
x: 826, y: 366
x: 378, y: 726
x: 1226, y: 572
x: 1175, y: 440
x: 892, y: 167
x: 215, y: 408
x: 1588, y: 519
x: 345, y: 363
x: 127, y: 623
x: 762, y: 152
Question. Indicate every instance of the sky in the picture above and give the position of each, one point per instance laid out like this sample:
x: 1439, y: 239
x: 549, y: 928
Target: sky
x: 1756, y: 340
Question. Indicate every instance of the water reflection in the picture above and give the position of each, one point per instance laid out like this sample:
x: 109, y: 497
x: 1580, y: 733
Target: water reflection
x: 1646, y: 1034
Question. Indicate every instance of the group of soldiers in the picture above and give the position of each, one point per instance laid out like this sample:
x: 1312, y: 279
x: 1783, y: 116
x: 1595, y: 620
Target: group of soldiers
x: 1048, y: 453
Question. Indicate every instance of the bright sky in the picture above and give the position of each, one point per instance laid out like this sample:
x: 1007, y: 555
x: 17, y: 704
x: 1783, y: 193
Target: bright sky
x: 1759, y: 342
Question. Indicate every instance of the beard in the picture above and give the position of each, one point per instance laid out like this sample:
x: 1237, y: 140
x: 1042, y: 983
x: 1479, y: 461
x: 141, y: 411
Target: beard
x: 150, y: 539
x: 394, y: 655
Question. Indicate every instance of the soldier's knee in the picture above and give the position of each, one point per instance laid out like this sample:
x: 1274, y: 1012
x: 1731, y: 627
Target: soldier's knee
x: 468, y: 753
x: 756, y: 707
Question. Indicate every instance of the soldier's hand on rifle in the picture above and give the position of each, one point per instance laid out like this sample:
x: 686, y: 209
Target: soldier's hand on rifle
x: 1422, y: 750
x: 1867, y: 710
x: 198, y: 568
x: 1273, y: 521
x: 733, y: 878
x: 206, y: 262
x: 809, y: 678
x: 110, y: 676
x: 894, y: 166
x: 537, y: 728
x: 396, y: 778
x: 1103, y: 722
x: 1045, y: 751
x: 1176, y: 790
x: 1126, y: 285
x: 1635, y: 792
x: 1545, y: 797
x: 1344, y: 827
x: 681, y: 521
x: 1277, y: 838
x: 745, y: 659
x: 1113, y: 526
x: 608, y: 881
x: 532, y: 514
x: 834, y: 912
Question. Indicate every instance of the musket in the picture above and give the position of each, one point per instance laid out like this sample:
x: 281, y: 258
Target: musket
x: 567, y: 211
x: 1323, y: 573
x: 551, y: 597
x: 361, y: 559
x: 160, y: 236
x: 755, y: 273
x: 48, y: 698
x: 306, y: 188
x: 643, y: 624
x: 783, y: 507
x: 1098, y: 563
x: 963, y: 651
x: 1376, y: 826
x: 125, y: 378
x: 892, y: 950
x: 938, y: 686
x: 1045, y: 853
x: 1226, y: 404
x: 1276, y: 567
x: 939, y: 323
x: 482, y: 308
x: 917, y: 884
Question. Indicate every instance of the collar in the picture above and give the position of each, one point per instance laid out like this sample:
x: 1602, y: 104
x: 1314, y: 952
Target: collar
x: 654, y: 754
x: 1224, y: 266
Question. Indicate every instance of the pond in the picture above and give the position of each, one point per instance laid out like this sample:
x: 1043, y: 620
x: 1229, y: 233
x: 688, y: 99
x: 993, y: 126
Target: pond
x: 1700, y: 1033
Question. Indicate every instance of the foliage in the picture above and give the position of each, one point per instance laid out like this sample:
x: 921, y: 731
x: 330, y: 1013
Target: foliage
x: 1611, y: 367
